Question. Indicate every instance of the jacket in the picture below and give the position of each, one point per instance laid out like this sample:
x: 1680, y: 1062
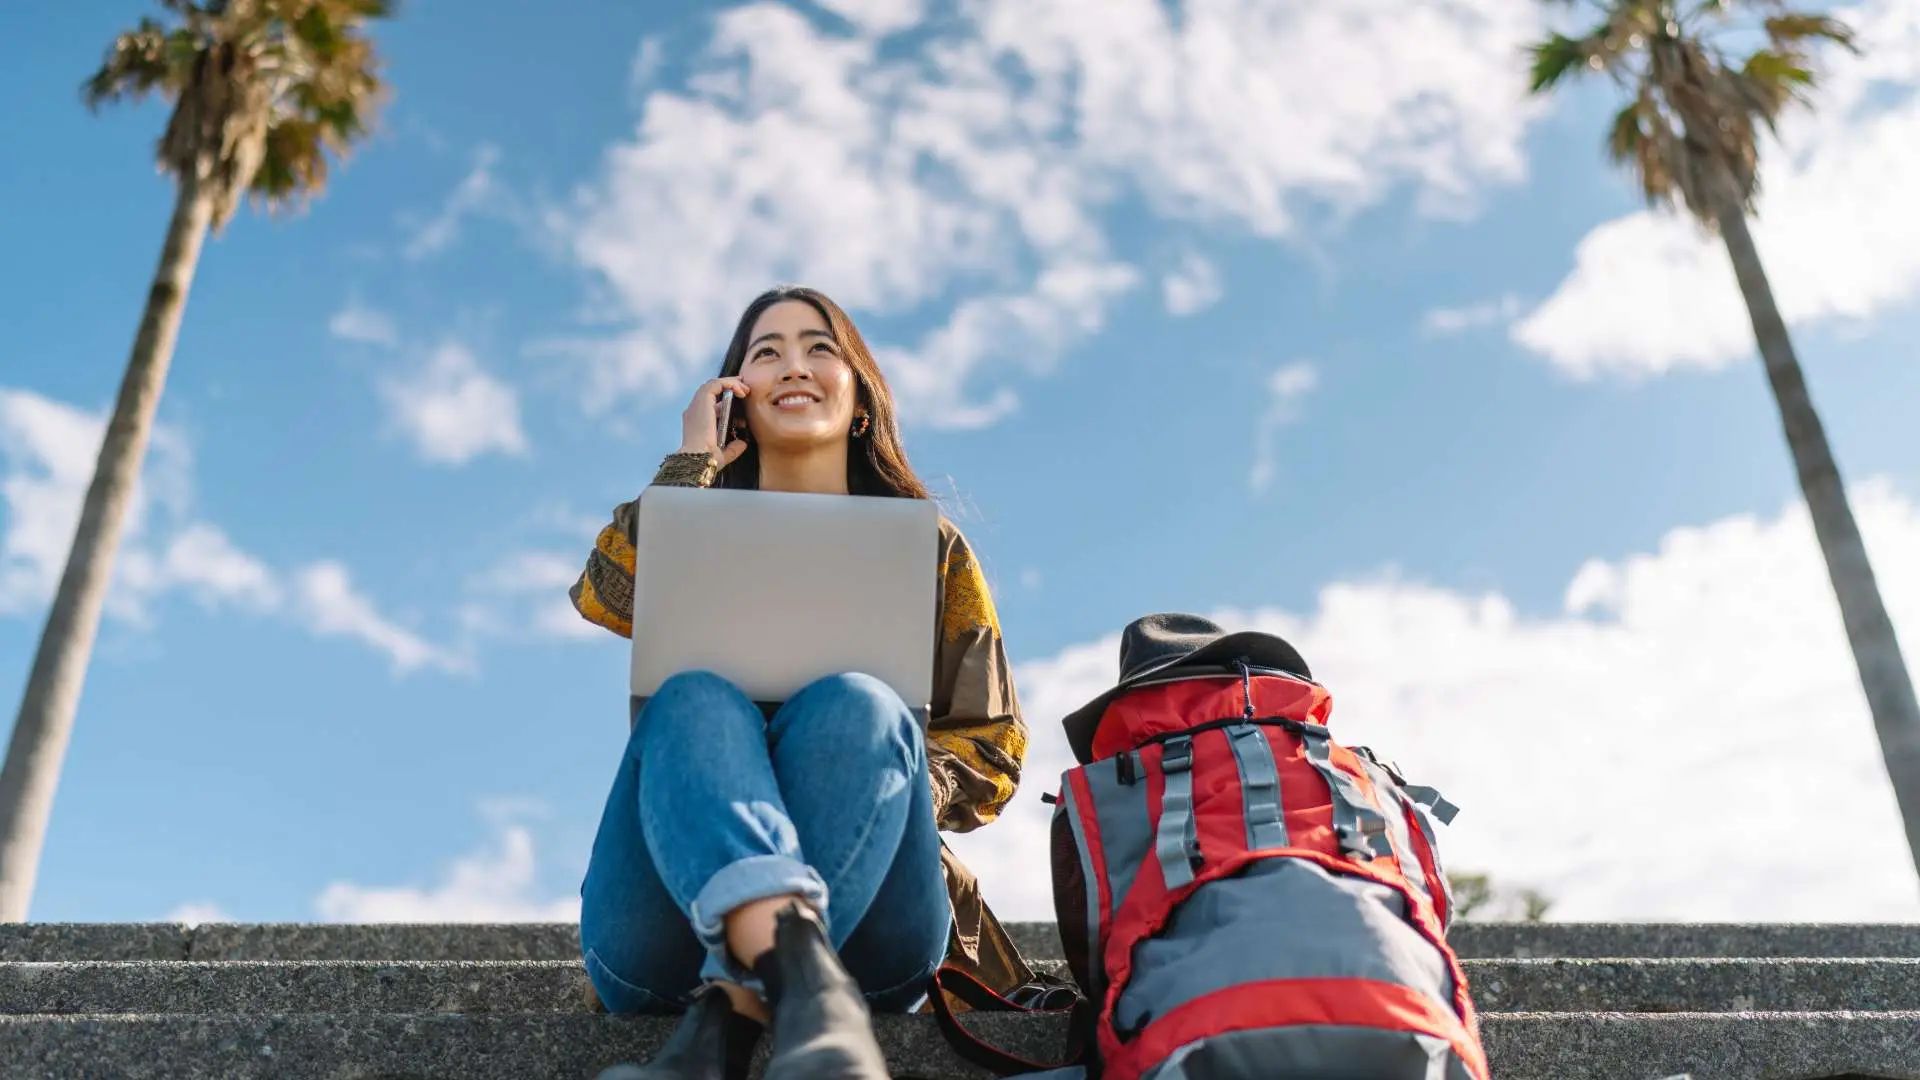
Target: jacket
x: 976, y: 740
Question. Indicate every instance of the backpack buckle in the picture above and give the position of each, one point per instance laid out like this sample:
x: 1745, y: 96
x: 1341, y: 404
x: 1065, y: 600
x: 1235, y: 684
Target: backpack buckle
x: 1392, y: 768
x: 1178, y: 756
x: 1358, y: 842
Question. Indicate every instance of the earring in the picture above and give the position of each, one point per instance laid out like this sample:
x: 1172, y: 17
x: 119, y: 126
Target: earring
x: 861, y: 423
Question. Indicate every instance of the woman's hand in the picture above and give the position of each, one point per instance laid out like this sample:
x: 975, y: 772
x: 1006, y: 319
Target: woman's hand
x: 700, y: 424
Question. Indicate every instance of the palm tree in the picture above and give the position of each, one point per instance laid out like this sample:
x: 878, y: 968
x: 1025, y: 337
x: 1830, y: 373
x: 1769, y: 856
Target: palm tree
x: 1689, y: 132
x: 262, y: 92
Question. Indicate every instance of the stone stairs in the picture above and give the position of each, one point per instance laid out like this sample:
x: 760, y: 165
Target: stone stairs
x: 1559, y: 1001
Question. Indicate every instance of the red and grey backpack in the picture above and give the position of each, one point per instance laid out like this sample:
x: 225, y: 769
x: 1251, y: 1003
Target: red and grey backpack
x: 1239, y: 895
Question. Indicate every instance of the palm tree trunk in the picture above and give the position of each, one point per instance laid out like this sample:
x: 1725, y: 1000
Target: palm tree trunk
x: 1876, y: 650
x: 40, y: 733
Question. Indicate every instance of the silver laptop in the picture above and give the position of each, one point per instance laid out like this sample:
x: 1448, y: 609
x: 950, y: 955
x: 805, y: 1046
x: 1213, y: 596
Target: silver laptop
x: 773, y: 590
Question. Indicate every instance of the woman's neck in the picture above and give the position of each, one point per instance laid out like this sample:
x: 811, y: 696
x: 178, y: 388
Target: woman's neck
x: 823, y: 471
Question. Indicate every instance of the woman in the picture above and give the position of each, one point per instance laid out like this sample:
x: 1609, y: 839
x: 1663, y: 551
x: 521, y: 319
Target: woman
x: 744, y: 852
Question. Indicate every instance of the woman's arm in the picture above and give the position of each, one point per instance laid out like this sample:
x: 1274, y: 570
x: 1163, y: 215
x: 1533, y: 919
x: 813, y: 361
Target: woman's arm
x: 604, y: 594
x: 976, y: 741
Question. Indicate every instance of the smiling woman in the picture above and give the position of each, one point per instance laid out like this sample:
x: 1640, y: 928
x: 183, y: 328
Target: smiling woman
x: 801, y: 426
x: 742, y: 850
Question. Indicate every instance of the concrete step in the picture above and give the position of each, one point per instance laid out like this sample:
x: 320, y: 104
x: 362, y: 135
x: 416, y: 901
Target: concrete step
x: 295, y: 986
x: 561, y: 986
x: 505, y: 1046
x: 560, y: 941
x: 1694, y: 985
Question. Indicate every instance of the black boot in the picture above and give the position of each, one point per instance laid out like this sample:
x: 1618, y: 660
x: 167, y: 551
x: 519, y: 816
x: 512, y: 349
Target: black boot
x: 821, y: 1027
x: 712, y: 1042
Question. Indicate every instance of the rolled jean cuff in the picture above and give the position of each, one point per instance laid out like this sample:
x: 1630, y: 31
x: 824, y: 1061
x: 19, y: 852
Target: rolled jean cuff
x: 757, y: 878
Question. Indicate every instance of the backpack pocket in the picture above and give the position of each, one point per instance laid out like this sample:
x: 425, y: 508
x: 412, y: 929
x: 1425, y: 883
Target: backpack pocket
x: 1290, y: 968
x: 1078, y: 923
x: 1103, y: 831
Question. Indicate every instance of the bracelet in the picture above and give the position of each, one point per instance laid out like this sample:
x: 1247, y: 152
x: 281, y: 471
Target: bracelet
x: 687, y: 470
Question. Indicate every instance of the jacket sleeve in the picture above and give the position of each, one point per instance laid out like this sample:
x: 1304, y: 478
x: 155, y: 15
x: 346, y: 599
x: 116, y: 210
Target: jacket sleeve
x: 976, y: 741
x: 604, y: 594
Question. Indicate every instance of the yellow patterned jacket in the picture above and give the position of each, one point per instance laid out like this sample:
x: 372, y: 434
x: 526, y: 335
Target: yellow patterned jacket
x: 976, y: 741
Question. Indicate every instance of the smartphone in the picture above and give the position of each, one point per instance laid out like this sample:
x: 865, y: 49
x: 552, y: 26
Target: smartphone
x: 725, y: 411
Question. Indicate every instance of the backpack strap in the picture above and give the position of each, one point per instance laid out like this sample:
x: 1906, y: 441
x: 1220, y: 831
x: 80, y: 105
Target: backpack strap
x: 1429, y: 804
x: 1432, y: 800
x: 1176, y: 843
x: 1040, y: 997
x: 1260, y: 787
x: 1360, y: 826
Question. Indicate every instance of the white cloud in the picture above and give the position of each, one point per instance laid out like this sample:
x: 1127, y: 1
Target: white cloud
x: 1443, y: 321
x: 47, y: 452
x: 1638, y: 757
x: 1067, y: 301
x: 49, y: 449
x: 963, y: 175
x: 878, y: 17
x: 194, y: 914
x: 1285, y: 388
x: 647, y: 64
x: 1191, y: 287
x: 357, y: 322
x: 453, y: 410
x: 529, y: 592
x: 449, y: 407
x: 494, y: 885
x: 1838, y: 230
x: 477, y: 191
x: 524, y: 571
x: 201, y: 560
x: 328, y: 604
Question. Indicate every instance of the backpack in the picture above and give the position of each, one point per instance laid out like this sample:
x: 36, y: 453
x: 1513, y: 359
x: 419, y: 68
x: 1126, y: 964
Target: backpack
x: 1240, y: 896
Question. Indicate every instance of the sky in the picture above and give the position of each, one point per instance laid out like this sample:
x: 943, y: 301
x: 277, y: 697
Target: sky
x: 1301, y: 316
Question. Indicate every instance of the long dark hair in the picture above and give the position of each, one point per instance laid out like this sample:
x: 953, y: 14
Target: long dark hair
x: 876, y: 462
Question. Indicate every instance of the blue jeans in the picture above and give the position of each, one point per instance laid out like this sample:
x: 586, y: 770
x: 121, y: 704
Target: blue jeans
x: 715, y: 805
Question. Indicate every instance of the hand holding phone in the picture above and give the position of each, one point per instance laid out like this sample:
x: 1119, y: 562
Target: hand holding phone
x: 722, y: 435
x: 706, y: 426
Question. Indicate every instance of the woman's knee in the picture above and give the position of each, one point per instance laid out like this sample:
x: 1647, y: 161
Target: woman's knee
x: 718, y: 704
x: 699, y: 687
x: 853, y: 707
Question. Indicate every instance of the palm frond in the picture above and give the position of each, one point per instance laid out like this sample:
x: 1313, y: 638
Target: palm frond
x: 294, y: 167
x: 1769, y: 81
x: 367, y: 9
x: 1554, y: 60
x: 140, y: 61
x: 1795, y: 28
x: 1769, y: 66
x: 266, y: 92
x: 318, y: 33
x: 1626, y: 134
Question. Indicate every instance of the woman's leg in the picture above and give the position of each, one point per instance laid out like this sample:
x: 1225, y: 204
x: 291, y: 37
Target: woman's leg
x: 712, y: 815
x: 641, y: 954
x: 852, y: 767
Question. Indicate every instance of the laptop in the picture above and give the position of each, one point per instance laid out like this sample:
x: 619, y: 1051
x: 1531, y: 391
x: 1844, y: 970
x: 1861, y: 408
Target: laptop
x: 773, y: 590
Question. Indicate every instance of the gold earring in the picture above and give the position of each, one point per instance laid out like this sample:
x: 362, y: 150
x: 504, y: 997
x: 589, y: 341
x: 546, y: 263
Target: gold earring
x: 861, y: 424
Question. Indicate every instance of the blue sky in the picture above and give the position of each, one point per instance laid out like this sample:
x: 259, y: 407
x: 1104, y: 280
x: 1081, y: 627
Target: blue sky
x: 1310, y: 322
